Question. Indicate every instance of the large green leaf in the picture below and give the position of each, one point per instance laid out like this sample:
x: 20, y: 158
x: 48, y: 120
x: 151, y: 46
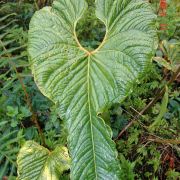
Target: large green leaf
x: 36, y: 162
x: 82, y: 83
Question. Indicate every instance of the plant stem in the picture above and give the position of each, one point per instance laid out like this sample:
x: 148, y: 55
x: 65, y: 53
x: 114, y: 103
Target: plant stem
x: 159, y: 94
x: 165, y: 141
x: 27, y: 98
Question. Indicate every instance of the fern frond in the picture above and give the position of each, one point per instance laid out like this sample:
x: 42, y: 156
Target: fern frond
x: 12, y: 51
x: 8, y: 151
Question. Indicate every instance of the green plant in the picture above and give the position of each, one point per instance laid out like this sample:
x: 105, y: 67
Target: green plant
x: 35, y: 161
x: 155, y: 152
x: 126, y: 169
x: 9, y: 136
x: 158, y: 120
x: 9, y: 148
x: 170, y: 19
x: 168, y: 55
x: 83, y: 83
x: 15, y: 84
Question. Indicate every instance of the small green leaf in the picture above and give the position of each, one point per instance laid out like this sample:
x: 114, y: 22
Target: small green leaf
x: 25, y: 112
x: 37, y: 162
x: 14, y: 123
x: 163, y: 109
x: 126, y: 169
x: 12, y: 111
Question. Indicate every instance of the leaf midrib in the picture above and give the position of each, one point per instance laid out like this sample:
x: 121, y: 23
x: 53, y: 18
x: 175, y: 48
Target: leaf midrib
x: 90, y: 118
x: 88, y: 54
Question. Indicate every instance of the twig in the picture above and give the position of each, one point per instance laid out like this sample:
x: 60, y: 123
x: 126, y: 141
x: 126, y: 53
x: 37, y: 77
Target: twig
x: 27, y: 98
x: 155, y: 138
x: 159, y: 94
x: 165, y: 141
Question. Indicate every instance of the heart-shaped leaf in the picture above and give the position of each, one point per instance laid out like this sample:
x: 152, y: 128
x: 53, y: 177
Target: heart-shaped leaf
x: 36, y: 162
x: 82, y: 83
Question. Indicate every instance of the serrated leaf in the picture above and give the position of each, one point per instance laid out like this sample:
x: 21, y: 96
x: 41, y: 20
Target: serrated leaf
x: 37, y: 162
x: 83, y: 82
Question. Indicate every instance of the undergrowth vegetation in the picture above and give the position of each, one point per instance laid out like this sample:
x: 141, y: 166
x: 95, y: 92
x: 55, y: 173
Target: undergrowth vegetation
x: 145, y: 126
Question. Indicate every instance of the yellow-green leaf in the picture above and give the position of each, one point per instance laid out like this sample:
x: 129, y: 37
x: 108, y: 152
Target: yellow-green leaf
x: 163, y: 109
x: 37, y: 162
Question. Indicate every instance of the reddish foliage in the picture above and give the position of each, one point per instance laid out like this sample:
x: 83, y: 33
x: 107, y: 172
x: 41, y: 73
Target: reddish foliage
x: 163, y: 26
x: 170, y: 159
x: 163, y: 4
x: 162, y: 9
